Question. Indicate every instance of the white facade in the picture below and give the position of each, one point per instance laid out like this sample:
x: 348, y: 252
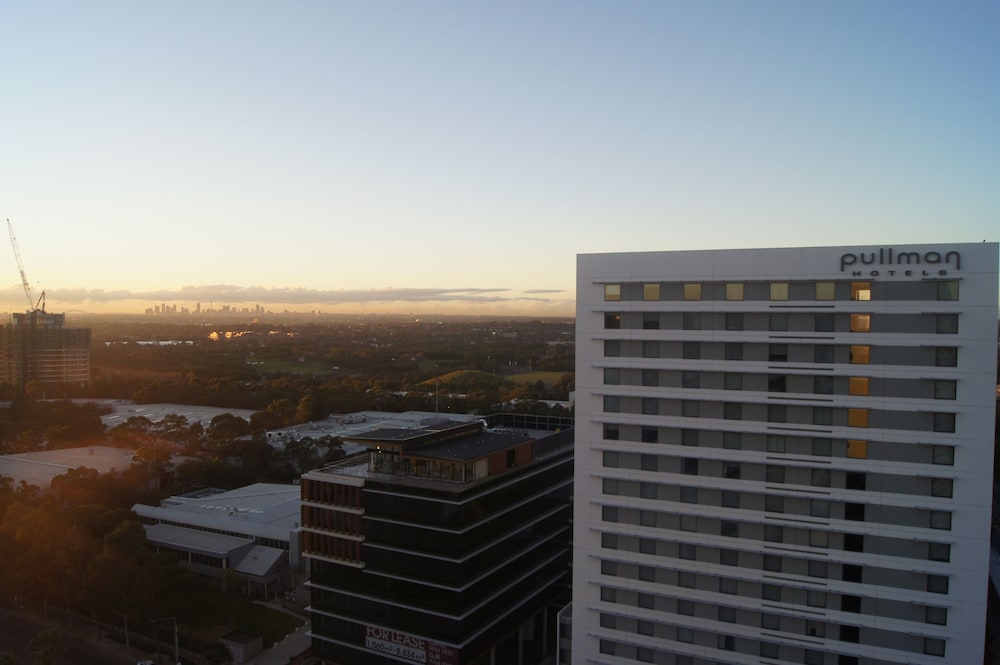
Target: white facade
x: 784, y: 455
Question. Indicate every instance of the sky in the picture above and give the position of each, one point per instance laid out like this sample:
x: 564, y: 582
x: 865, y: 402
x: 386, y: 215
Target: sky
x: 454, y: 157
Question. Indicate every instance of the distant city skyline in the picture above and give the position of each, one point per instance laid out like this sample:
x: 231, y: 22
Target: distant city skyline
x: 454, y: 158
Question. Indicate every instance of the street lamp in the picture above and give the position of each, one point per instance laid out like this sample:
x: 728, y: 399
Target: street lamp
x: 177, y: 648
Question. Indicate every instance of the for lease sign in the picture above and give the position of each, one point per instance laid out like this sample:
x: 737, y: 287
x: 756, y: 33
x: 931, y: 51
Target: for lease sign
x: 411, y: 647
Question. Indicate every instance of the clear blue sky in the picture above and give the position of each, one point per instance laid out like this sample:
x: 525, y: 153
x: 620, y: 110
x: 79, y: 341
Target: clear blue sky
x: 443, y: 156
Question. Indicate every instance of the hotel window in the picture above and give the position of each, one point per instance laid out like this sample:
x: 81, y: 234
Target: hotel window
x: 942, y: 487
x: 778, y: 323
x: 732, y: 440
x: 644, y: 627
x: 816, y: 569
x: 731, y: 470
x: 947, y: 290
x: 947, y: 324
x: 772, y: 563
x: 726, y: 643
x: 939, y: 552
x: 729, y: 529
x: 855, y: 512
x: 823, y: 385
x: 822, y: 415
x: 687, y: 551
x: 691, y: 350
x: 774, y: 473
x: 611, y: 432
x: 850, y: 634
x: 610, y: 486
x: 651, y: 349
x: 820, y: 478
x: 650, y: 406
x: 823, y: 353
x: 689, y: 495
x: 823, y: 323
x: 945, y: 389
x: 819, y: 539
x: 861, y: 290
x: 770, y: 621
x: 689, y: 466
x: 826, y: 290
x: 819, y: 508
x: 934, y: 646
x: 943, y: 455
x: 612, y: 404
x: 734, y: 320
x: 770, y: 592
x: 691, y: 321
x: 777, y: 413
x: 610, y: 459
x: 612, y: 291
x: 816, y: 598
x: 937, y: 584
x: 936, y: 615
x: 732, y: 411
x: 648, y: 490
x: 647, y: 518
x: 692, y: 292
x: 851, y: 573
x: 730, y: 499
x: 822, y: 447
x: 689, y: 437
x: 815, y: 628
x: 861, y: 322
x: 651, y: 377
x: 854, y: 542
x: 768, y: 650
x: 688, y: 523
x: 940, y: 519
x: 685, y: 607
x: 609, y: 514
x: 777, y: 353
x: 612, y: 320
x: 727, y: 614
x: 944, y: 422
x: 860, y: 354
x: 690, y: 408
x: 734, y: 351
x: 813, y: 657
x: 775, y: 443
x: 732, y: 381
x: 857, y: 449
x: 612, y: 376
x: 650, y: 291
x: 650, y: 321
x: 857, y: 385
x: 734, y: 291
x: 779, y: 290
x: 650, y: 435
x: 774, y: 503
x: 686, y: 579
x: 946, y: 356
x: 612, y: 348
x: 855, y: 480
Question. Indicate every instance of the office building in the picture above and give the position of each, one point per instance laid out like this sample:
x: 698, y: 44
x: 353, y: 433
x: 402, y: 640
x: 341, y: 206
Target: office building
x: 37, y: 347
x: 444, y: 544
x: 784, y: 455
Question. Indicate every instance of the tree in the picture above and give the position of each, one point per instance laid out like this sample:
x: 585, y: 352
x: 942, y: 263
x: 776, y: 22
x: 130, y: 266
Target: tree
x: 45, y: 648
x: 152, y: 463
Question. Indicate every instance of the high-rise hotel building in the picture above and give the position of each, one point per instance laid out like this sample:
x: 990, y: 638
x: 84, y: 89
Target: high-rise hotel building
x: 784, y: 455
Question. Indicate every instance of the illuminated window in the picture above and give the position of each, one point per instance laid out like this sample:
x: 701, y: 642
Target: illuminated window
x: 612, y: 320
x: 825, y: 291
x: 857, y: 449
x: 857, y: 385
x: 857, y: 417
x: 947, y: 290
x: 861, y: 322
x: 779, y: 291
x: 861, y: 290
x: 692, y: 292
x: 734, y: 291
x: 612, y: 291
x: 650, y: 291
x: 860, y: 354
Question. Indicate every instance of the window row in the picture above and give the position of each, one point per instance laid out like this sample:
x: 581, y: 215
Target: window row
x: 854, y: 354
x: 826, y: 416
x: 737, y: 526
x: 919, y: 453
x: 816, y: 384
x: 796, y: 322
x: 782, y: 291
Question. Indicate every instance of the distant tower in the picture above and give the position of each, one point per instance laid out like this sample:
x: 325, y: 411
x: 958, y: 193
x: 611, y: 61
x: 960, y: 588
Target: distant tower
x: 37, y: 347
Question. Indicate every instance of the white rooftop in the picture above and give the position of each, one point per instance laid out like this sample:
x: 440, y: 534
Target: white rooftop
x: 39, y: 468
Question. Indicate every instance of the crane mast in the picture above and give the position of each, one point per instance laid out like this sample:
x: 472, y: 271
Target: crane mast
x: 33, y: 306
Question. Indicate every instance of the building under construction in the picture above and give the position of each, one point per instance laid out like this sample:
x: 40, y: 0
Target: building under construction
x: 36, y: 347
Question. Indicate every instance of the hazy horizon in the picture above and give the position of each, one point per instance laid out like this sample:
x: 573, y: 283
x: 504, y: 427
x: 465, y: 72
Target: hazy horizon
x: 454, y: 157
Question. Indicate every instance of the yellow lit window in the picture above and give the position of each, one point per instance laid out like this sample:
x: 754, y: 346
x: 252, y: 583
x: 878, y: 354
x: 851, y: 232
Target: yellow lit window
x: 825, y: 291
x: 857, y: 385
x: 860, y: 354
x: 857, y: 449
x: 692, y: 292
x: 861, y: 322
x: 650, y: 291
x: 612, y: 291
x: 779, y: 291
x: 734, y: 291
x: 861, y: 290
x: 857, y: 417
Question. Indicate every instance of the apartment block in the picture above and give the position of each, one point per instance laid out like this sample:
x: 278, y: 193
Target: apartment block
x: 784, y: 455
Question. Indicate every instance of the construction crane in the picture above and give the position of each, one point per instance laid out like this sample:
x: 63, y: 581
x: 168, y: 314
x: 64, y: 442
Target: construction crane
x: 33, y: 305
